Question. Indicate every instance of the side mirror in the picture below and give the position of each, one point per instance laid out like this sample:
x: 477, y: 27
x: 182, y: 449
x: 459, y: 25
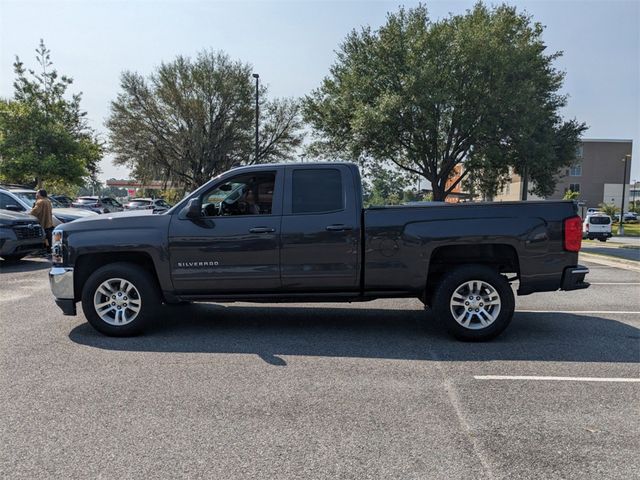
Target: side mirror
x: 193, y: 209
x: 13, y: 208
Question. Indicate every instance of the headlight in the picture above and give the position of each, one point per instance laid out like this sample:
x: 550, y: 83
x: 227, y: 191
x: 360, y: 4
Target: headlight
x: 57, y: 255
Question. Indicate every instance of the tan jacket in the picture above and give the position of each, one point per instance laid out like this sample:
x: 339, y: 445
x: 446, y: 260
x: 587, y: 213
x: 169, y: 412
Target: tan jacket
x: 42, y: 211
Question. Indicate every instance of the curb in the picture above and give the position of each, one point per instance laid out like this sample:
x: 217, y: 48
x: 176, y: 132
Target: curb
x: 611, y: 262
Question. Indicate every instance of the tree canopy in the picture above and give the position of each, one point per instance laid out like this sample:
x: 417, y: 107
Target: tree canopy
x: 427, y: 95
x: 194, y: 118
x: 44, y: 136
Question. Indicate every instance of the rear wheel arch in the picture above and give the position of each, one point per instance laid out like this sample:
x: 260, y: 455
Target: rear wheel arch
x: 501, y: 258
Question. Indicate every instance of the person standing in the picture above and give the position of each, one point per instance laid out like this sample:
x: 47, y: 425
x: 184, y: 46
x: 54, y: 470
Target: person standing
x: 42, y: 210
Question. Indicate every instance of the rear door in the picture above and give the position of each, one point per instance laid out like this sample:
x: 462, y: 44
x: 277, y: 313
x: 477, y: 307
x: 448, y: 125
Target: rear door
x: 320, y: 240
x: 599, y: 224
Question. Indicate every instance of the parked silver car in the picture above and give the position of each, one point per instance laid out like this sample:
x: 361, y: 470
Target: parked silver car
x: 98, y: 204
x: 158, y: 205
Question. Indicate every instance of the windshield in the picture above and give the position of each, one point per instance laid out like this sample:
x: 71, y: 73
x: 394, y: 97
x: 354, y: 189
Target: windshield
x: 139, y: 203
x: 30, y: 199
x: 27, y: 197
x: 228, y: 191
x: 86, y: 200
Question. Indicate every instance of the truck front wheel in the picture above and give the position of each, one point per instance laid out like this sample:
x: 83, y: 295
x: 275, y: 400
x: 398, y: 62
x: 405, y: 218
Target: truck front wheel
x: 474, y: 302
x: 119, y: 299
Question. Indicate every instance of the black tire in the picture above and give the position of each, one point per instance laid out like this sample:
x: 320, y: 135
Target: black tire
x: 145, y: 290
x: 454, y: 280
x: 602, y: 239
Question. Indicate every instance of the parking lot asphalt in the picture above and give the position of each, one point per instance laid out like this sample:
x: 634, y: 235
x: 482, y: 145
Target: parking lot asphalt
x: 363, y: 390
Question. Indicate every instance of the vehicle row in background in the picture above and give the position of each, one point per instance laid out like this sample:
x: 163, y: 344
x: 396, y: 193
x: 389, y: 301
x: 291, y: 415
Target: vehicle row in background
x: 110, y: 205
x: 627, y: 217
x: 22, y: 200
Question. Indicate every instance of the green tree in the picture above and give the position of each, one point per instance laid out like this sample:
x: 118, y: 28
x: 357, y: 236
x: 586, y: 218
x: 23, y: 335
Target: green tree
x: 571, y: 195
x: 44, y: 137
x: 609, y: 209
x: 194, y: 118
x: 476, y: 89
x: 383, y: 186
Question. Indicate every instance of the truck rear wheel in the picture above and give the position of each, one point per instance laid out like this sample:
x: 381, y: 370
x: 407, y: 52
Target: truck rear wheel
x: 474, y: 302
x: 119, y: 299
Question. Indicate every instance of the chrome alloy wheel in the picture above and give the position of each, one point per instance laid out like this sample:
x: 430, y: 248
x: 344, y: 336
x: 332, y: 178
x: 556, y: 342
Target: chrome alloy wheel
x: 475, y: 304
x: 117, y: 301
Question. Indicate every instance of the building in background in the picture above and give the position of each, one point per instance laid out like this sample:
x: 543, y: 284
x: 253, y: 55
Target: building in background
x: 596, y: 174
x: 457, y: 195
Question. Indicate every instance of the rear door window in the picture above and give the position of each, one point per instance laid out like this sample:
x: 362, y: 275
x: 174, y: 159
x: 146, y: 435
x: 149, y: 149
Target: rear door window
x: 317, y: 191
x: 600, y: 220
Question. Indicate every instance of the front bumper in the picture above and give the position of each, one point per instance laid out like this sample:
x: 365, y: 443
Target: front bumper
x: 573, y: 278
x: 61, y: 283
x: 13, y: 247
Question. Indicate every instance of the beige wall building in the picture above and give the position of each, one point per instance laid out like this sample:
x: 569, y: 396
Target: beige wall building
x: 596, y: 174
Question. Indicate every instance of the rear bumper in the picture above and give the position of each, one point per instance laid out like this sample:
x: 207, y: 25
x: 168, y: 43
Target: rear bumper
x: 599, y: 235
x: 61, y: 283
x: 573, y: 278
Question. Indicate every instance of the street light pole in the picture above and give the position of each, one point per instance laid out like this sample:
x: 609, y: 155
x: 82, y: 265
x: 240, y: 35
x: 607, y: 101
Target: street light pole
x: 626, y: 159
x: 256, y: 76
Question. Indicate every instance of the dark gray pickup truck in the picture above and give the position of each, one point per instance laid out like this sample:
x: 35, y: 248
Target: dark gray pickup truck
x: 299, y: 233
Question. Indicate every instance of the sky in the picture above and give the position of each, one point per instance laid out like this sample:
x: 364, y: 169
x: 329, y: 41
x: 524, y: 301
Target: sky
x: 292, y: 46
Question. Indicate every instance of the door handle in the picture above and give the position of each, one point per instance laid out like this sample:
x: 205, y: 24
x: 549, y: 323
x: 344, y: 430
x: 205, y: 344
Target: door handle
x: 261, y: 230
x: 338, y: 228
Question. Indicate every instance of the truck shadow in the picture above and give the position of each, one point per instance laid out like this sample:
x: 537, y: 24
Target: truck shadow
x: 272, y: 332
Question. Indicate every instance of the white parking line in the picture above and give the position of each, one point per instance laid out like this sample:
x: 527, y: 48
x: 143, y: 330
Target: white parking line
x: 615, y: 283
x: 586, y: 312
x: 556, y: 379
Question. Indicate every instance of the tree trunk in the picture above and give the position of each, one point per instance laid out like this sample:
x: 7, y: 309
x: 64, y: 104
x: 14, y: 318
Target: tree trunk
x: 438, y: 192
x: 525, y: 183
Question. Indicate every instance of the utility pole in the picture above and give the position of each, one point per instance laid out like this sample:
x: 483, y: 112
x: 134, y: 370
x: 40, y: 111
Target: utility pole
x: 256, y: 76
x: 626, y: 159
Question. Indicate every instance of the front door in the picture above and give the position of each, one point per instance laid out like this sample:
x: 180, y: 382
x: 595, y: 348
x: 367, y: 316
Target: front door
x: 234, y: 246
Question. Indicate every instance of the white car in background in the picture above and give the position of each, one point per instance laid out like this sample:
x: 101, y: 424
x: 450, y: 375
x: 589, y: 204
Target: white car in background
x: 22, y: 200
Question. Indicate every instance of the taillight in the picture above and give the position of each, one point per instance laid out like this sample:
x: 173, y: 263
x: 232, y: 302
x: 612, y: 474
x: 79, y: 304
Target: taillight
x: 572, y: 234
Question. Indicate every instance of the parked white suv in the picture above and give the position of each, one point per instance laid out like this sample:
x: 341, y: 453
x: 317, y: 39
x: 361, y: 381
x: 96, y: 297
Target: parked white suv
x: 597, y: 226
x: 22, y: 200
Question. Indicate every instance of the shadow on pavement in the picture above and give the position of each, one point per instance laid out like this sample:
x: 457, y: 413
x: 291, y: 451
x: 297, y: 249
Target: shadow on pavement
x: 28, y: 264
x: 624, y: 253
x: 370, y: 333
